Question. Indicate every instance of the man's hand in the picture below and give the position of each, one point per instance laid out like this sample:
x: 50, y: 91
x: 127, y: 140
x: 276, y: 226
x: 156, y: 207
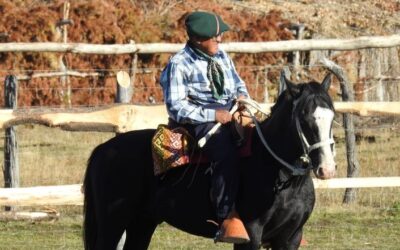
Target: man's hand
x: 222, y: 116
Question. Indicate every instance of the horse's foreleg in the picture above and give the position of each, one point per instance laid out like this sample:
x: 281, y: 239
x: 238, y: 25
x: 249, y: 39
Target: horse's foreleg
x: 255, y: 232
x: 291, y: 244
x: 138, y: 233
x: 289, y: 239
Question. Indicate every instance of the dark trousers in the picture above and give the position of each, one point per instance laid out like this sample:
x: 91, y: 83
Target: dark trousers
x: 221, y: 150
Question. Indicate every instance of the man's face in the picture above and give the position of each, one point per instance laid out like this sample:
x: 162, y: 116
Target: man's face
x: 209, y: 45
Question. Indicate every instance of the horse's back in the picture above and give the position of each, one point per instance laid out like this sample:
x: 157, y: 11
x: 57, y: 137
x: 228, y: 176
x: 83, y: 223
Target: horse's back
x: 132, y: 146
x: 122, y: 162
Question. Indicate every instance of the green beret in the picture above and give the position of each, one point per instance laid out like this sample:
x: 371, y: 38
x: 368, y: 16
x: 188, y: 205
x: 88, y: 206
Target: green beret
x: 205, y: 24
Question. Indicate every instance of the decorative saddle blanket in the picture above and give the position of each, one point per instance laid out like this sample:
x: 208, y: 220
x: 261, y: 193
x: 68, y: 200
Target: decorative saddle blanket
x: 176, y: 147
x: 170, y: 148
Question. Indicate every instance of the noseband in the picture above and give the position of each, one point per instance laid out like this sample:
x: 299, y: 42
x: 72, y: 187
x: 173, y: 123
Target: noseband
x: 303, y: 165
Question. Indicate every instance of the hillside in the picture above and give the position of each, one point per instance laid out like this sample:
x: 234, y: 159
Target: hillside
x: 336, y: 18
x: 110, y: 22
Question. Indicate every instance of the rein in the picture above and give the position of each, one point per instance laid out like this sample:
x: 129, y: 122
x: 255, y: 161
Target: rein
x: 296, y: 169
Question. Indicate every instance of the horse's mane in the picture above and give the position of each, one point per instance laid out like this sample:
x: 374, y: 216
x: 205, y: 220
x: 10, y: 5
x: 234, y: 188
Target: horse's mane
x: 320, y: 97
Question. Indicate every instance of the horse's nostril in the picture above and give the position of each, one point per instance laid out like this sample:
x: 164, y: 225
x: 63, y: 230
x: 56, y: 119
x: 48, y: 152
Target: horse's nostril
x: 319, y: 172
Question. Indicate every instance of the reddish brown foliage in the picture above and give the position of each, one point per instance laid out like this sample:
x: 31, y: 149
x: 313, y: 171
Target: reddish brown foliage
x: 110, y: 22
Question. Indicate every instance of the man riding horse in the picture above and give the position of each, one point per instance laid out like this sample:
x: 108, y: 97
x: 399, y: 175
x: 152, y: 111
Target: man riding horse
x: 200, y: 85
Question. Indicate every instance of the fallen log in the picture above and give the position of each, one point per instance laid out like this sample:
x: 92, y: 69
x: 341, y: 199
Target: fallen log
x: 29, y: 216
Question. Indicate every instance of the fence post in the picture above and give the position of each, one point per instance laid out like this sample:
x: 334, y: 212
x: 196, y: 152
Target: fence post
x: 124, y: 95
x: 125, y: 82
x: 124, y: 88
x: 11, y: 168
x: 353, y: 166
x: 62, y: 28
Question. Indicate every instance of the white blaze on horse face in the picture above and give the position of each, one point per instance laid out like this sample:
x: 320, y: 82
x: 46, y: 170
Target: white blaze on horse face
x: 327, y: 167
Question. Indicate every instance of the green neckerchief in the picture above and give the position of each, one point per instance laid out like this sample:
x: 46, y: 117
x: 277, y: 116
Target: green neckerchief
x: 214, y: 73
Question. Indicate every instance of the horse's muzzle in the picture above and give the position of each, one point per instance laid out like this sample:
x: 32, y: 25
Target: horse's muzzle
x: 325, y: 172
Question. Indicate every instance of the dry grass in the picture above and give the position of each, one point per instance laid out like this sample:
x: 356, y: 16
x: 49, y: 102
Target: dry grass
x: 51, y: 156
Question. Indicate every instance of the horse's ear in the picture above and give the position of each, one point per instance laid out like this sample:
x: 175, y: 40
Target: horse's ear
x: 282, y: 80
x: 293, y: 88
x: 326, y: 83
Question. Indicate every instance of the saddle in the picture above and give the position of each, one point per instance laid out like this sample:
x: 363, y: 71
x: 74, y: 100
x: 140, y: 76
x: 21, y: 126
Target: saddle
x: 173, y: 148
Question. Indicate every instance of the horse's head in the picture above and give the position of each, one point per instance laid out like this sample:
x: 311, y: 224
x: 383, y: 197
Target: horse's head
x: 312, y: 117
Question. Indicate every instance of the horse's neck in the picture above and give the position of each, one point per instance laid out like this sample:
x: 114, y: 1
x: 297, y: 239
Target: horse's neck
x: 279, y: 133
x: 279, y: 124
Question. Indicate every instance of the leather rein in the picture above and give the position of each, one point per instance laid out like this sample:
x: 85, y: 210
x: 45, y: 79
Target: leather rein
x: 301, y: 166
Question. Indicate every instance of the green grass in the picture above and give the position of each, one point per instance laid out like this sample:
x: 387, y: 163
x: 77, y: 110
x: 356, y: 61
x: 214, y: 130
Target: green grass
x: 50, y: 156
x: 351, y: 227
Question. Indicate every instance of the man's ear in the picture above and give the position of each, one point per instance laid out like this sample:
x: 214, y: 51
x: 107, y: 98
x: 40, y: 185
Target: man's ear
x: 292, y: 88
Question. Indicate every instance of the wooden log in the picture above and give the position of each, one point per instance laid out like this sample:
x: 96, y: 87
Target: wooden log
x: 72, y: 194
x: 42, y: 195
x: 124, y: 88
x: 116, y: 118
x: 360, y: 182
x: 368, y: 108
x: 29, y: 216
x: 126, y: 117
x: 360, y: 108
x: 235, y: 47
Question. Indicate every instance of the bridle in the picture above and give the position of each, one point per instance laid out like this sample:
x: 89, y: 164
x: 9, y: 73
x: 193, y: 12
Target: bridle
x: 303, y: 164
x: 307, y: 148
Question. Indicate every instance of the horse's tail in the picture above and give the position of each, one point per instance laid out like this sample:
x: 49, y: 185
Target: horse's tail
x: 91, y: 224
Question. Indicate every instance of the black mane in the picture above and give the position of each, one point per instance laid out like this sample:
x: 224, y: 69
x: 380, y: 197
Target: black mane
x: 319, y: 96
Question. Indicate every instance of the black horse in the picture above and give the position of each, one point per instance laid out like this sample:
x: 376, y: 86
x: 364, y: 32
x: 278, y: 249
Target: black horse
x: 276, y: 193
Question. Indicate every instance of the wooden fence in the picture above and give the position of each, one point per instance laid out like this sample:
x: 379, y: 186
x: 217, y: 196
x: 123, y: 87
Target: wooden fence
x: 73, y: 195
x: 235, y: 47
x: 125, y: 117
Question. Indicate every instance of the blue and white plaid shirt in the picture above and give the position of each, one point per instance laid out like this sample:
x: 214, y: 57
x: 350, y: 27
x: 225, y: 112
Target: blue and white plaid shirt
x: 187, y: 90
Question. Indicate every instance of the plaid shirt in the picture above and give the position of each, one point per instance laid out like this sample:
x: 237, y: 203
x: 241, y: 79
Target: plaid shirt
x: 187, y: 91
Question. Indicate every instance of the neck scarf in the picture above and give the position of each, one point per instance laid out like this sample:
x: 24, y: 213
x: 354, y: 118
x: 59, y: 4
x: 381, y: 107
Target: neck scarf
x: 214, y: 73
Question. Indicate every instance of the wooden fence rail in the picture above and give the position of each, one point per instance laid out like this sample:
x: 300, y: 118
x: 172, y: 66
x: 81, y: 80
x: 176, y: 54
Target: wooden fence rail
x: 72, y: 194
x: 126, y: 117
x: 235, y: 47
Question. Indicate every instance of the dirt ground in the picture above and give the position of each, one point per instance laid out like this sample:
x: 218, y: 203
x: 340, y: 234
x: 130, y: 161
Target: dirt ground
x: 336, y: 18
x: 122, y: 21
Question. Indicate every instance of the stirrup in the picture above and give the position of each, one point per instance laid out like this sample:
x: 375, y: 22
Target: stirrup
x: 232, y: 230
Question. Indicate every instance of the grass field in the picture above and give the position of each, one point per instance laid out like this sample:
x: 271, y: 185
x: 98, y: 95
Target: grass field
x: 54, y: 157
x: 354, y: 227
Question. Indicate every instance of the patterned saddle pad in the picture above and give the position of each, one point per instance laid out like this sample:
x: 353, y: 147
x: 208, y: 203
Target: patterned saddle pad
x: 170, y: 148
